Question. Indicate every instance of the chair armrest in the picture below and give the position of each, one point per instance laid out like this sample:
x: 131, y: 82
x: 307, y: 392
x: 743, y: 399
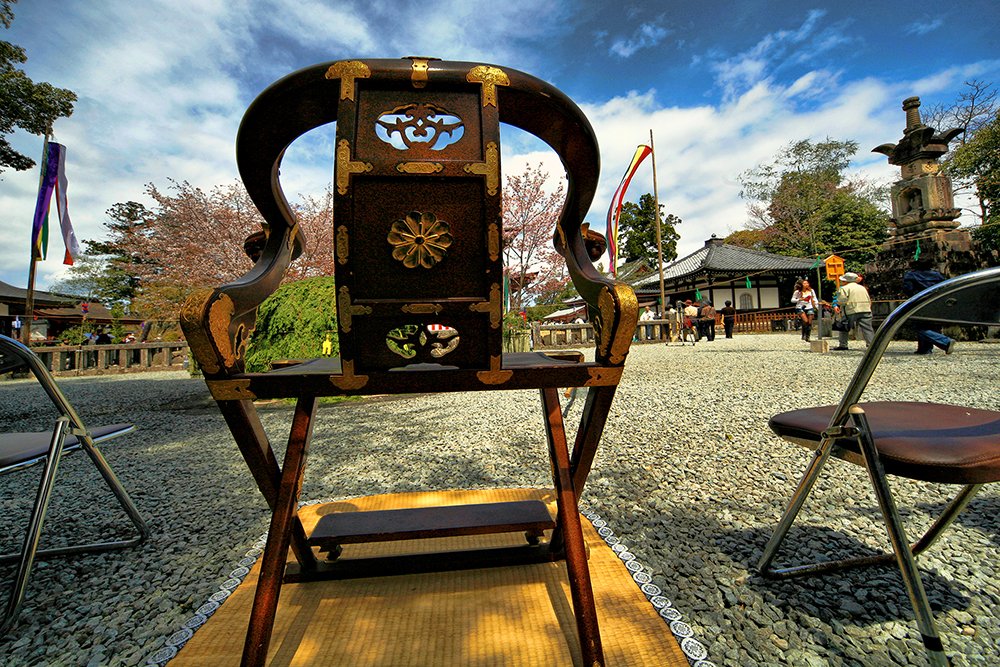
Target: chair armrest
x: 543, y: 110
x: 217, y: 322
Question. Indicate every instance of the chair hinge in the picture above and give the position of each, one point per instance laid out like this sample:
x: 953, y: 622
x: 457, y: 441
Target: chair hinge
x: 839, y: 432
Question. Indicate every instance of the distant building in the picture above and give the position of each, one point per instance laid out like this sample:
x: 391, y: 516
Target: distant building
x: 720, y: 272
x: 53, y: 314
x: 12, y: 307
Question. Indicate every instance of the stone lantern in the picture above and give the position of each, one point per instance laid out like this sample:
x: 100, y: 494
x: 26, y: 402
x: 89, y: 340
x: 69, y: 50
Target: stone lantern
x: 922, y: 201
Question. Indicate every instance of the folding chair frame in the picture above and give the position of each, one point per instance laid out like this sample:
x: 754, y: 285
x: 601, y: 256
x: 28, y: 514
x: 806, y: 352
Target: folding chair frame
x: 70, y: 427
x: 903, y: 553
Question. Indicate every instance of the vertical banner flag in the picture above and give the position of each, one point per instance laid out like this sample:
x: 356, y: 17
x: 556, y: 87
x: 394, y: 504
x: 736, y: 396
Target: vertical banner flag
x: 641, y: 152
x: 53, y: 180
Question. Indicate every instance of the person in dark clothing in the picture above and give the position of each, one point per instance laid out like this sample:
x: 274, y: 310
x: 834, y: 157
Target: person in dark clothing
x: 917, y: 279
x: 728, y: 318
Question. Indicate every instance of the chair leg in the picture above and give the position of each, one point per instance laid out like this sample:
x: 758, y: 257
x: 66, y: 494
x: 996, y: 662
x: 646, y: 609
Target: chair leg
x: 34, y: 532
x: 904, y: 556
x: 798, y: 498
x: 284, y: 517
x: 142, y: 529
x: 588, y: 435
x: 243, y: 422
x: 569, y: 520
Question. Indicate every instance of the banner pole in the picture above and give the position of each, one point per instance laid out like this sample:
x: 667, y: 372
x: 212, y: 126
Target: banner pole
x: 29, y: 300
x: 659, y: 242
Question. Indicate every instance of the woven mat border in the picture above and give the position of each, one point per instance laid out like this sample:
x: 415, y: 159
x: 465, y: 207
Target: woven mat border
x: 694, y: 650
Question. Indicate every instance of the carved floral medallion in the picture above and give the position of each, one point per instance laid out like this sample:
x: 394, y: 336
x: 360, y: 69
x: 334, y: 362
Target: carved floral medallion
x: 420, y: 239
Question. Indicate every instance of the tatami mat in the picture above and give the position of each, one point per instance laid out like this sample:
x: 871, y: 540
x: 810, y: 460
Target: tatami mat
x: 493, y: 616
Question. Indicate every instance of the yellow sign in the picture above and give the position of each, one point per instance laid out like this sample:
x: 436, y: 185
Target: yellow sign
x: 834, y: 267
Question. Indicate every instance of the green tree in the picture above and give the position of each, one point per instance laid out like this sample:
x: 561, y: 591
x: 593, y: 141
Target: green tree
x: 24, y: 104
x: 107, y: 271
x: 637, y: 228
x: 979, y: 161
x: 293, y: 322
x: 800, y: 204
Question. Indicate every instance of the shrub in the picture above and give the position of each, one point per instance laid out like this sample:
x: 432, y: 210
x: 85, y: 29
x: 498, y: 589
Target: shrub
x: 293, y: 322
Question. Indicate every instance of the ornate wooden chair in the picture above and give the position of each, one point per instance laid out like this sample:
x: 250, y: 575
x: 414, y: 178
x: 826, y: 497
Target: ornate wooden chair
x: 419, y: 271
x: 931, y: 442
x: 19, y: 451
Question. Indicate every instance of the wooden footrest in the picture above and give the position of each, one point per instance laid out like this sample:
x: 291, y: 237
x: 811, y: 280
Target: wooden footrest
x: 531, y: 516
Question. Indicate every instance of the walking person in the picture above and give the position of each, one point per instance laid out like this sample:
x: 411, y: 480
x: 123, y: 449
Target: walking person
x: 707, y: 321
x: 853, y: 299
x: 806, y: 304
x: 728, y: 318
x: 921, y: 276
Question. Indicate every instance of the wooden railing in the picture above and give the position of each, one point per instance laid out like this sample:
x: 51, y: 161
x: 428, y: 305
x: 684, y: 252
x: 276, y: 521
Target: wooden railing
x: 123, y: 358
x: 655, y: 331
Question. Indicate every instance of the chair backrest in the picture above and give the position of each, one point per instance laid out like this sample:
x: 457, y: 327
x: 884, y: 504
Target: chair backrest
x: 971, y: 299
x: 418, y: 200
x: 15, y: 355
x: 418, y: 223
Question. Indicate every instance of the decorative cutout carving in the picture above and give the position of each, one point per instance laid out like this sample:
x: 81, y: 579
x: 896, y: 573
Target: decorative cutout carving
x: 346, y: 311
x: 420, y: 239
x: 231, y: 390
x: 603, y: 376
x: 490, y: 169
x: 342, y: 245
x: 411, y: 341
x: 493, y: 306
x: 347, y: 71
x: 345, y: 167
x: 419, y: 167
x: 493, y: 241
x: 490, y: 77
x: 426, y: 125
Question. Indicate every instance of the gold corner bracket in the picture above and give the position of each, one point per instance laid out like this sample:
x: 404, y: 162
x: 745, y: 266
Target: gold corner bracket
x: 347, y: 71
x: 490, y: 77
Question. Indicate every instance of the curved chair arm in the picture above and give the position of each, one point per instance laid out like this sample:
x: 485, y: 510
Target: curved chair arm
x: 541, y: 109
x: 217, y: 322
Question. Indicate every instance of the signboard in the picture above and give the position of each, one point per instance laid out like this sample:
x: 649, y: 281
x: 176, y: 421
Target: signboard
x: 834, y: 267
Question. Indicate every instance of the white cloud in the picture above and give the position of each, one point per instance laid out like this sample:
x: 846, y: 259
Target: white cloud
x: 924, y: 26
x: 645, y: 36
x: 775, y: 52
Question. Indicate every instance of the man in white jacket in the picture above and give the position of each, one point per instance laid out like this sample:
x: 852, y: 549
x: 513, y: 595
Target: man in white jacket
x: 853, y: 299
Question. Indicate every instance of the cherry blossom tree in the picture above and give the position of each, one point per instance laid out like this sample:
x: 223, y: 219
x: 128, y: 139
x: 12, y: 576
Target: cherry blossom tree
x: 194, y: 238
x: 530, y: 212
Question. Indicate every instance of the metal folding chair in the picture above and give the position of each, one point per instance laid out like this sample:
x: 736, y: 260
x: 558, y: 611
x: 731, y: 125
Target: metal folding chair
x: 931, y: 442
x: 19, y: 451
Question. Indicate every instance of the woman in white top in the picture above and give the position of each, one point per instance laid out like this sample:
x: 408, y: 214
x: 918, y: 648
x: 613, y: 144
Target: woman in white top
x: 806, y: 303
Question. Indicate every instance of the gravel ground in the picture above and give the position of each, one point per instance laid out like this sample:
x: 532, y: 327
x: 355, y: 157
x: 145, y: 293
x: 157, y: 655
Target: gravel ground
x: 688, y: 476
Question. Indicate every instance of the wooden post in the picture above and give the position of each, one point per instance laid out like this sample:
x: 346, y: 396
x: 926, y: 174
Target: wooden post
x: 29, y: 301
x: 659, y: 244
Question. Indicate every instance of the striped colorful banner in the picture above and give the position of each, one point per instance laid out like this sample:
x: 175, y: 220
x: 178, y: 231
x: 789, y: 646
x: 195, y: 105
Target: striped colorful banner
x: 53, y: 180
x: 641, y: 152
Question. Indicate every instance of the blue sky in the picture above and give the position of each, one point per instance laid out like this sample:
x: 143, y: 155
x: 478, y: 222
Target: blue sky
x: 723, y: 85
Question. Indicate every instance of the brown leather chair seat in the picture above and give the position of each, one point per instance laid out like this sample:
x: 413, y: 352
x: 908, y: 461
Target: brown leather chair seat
x: 931, y: 442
